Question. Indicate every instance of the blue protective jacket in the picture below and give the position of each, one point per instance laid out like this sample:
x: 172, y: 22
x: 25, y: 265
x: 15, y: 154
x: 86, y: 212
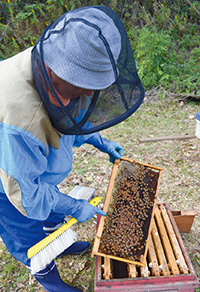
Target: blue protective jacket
x: 34, y: 156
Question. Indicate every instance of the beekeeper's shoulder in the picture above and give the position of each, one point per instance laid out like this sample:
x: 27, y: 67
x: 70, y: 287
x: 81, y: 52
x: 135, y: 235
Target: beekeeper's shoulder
x: 21, y: 105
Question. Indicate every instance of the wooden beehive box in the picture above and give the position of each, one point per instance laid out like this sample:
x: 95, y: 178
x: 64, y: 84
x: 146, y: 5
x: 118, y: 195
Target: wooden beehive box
x: 167, y: 265
x: 130, y: 202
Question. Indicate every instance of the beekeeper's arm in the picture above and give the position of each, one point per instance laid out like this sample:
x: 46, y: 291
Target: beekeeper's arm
x: 113, y: 149
x: 29, y: 186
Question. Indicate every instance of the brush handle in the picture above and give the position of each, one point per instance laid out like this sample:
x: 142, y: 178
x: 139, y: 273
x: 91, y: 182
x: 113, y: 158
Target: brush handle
x: 44, y: 242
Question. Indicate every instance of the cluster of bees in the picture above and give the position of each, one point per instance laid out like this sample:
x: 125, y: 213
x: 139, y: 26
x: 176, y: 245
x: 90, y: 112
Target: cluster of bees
x: 128, y: 218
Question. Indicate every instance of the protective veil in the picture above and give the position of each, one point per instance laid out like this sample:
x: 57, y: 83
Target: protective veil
x: 88, y: 48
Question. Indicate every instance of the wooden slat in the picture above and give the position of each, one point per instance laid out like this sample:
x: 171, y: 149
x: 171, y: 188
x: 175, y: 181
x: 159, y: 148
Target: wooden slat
x: 107, y: 269
x: 105, y: 208
x: 174, y: 242
x: 155, y: 271
x: 132, y: 271
x: 180, y: 241
x: 145, y: 164
x: 159, y: 249
x: 121, y: 259
x: 144, y: 271
x: 166, y: 243
x: 99, y: 268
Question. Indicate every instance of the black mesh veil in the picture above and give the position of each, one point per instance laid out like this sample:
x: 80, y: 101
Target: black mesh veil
x: 107, y: 107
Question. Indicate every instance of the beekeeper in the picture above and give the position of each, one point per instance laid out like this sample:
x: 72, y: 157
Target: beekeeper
x: 79, y: 79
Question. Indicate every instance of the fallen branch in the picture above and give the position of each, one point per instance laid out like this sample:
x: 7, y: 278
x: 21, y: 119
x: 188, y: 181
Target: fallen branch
x: 178, y: 137
x: 183, y: 95
x: 157, y: 91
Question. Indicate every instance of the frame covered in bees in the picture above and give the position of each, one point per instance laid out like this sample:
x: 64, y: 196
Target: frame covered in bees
x: 130, y: 201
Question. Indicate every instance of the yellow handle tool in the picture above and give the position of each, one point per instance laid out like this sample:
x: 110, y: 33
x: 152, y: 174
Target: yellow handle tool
x: 47, y: 240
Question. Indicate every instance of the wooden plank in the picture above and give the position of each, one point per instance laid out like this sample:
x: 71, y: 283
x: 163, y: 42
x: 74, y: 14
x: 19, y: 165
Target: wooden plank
x: 120, y: 259
x: 178, y: 137
x: 180, y: 241
x: 166, y: 243
x: 132, y: 271
x: 153, y: 262
x: 159, y: 250
x: 174, y: 242
x: 107, y: 269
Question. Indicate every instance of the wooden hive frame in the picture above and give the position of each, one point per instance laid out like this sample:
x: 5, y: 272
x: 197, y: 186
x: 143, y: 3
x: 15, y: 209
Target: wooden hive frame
x: 95, y: 250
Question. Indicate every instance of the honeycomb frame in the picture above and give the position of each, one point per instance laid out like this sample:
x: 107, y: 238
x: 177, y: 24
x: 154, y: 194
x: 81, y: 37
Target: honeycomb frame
x: 121, y: 235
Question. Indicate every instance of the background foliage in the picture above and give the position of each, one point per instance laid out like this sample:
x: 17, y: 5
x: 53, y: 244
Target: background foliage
x: 164, y: 35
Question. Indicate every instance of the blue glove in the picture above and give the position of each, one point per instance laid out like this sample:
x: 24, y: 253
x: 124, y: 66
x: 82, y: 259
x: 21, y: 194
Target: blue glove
x: 82, y: 210
x: 85, y: 211
x: 114, y: 150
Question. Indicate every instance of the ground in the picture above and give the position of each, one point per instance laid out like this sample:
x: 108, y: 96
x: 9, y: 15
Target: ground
x: 179, y: 188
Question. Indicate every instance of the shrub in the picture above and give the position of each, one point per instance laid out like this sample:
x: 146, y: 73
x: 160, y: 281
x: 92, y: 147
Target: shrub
x: 164, y: 36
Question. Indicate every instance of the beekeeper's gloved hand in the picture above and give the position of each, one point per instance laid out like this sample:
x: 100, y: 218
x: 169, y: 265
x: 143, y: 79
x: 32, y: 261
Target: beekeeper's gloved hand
x: 114, y: 150
x: 82, y: 210
x: 85, y: 211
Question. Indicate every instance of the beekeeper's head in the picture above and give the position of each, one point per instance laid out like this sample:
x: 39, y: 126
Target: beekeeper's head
x: 85, y: 71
